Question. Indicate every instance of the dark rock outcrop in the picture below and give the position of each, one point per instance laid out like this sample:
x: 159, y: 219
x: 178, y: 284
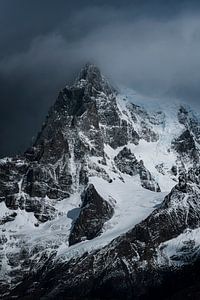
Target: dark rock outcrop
x: 95, y: 211
x: 185, y: 143
x: 8, y: 218
x: 127, y: 163
x: 146, y: 121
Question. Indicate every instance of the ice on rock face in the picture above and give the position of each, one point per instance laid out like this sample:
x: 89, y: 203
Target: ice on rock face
x: 100, y: 167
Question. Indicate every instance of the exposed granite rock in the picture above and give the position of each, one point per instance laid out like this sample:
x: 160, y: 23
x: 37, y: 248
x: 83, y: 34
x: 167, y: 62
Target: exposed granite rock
x: 187, y: 118
x: 91, y: 76
x: 95, y: 211
x: 127, y: 163
x: 148, y: 134
x: 41, y: 207
x: 183, y: 115
x: 185, y: 146
x: 174, y: 170
x: 10, y: 174
x: 146, y: 121
x: 184, y: 143
x: 160, y: 168
x: 28, y: 186
x: 8, y: 218
x: 147, y: 180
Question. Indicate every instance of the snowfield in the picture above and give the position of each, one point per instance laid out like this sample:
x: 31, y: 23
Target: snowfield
x: 131, y: 203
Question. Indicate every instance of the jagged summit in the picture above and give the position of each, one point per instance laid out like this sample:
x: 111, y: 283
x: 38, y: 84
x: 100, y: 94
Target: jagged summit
x: 90, y: 76
x: 82, y: 107
x: 89, y: 72
x: 88, y: 86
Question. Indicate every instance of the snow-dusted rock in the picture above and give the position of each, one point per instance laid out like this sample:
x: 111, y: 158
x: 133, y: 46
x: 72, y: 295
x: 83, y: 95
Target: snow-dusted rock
x: 127, y: 163
x: 79, y: 212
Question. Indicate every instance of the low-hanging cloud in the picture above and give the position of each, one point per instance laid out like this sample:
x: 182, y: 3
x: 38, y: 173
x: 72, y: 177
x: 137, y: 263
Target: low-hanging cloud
x: 156, y: 56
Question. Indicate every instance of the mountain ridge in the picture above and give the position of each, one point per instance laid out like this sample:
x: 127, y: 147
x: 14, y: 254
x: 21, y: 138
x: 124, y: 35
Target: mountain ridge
x: 107, y: 182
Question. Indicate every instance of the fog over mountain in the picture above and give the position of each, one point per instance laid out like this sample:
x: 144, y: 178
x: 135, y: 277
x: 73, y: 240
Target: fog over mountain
x: 150, y: 46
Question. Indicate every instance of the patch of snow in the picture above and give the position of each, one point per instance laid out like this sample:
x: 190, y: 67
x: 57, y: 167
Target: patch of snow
x: 180, y: 250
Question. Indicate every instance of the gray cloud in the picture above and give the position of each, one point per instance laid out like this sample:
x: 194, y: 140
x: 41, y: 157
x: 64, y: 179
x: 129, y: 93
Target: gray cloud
x: 152, y: 47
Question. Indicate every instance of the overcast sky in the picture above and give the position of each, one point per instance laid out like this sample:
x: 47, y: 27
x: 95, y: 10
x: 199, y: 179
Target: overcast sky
x: 152, y: 46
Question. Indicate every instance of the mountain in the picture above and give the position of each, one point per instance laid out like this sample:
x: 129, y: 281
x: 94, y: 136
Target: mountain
x: 106, y: 202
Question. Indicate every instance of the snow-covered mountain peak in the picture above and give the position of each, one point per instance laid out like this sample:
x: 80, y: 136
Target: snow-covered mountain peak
x: 99, y: 170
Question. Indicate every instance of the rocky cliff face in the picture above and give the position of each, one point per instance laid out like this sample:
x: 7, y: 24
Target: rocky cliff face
x: 107, y: 188
x: 95, y: 211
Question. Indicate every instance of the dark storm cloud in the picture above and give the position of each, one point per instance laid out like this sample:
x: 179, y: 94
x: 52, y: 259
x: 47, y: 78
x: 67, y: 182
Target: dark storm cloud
x: 153, y: 46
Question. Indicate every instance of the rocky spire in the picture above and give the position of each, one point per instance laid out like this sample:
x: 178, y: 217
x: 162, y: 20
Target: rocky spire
x: 67, y: 114
x: 91, y: 77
